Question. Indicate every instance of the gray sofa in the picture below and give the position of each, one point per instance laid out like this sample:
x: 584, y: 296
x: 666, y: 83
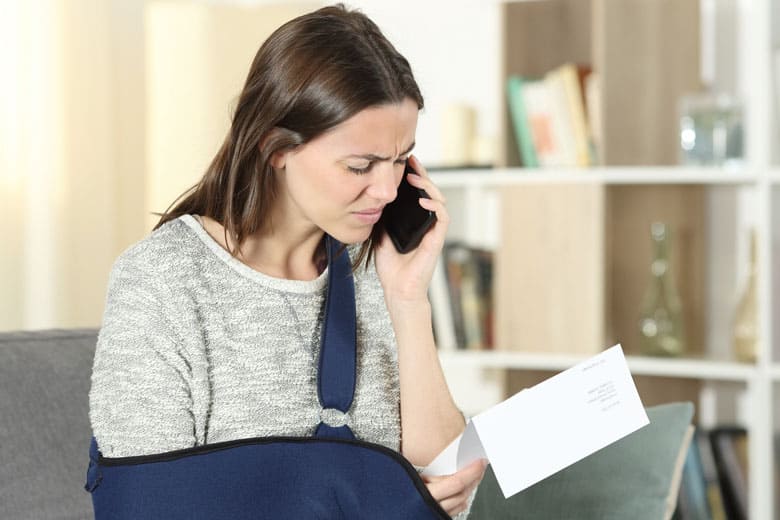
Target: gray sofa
x: 45, y: 433
x: 44, y: 425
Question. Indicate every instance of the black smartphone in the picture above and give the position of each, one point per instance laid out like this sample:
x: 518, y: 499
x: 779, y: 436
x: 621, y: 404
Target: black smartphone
x: 405, y: 221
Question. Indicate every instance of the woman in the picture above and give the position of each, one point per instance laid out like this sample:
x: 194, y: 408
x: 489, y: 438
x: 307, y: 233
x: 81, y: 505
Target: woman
x: 212, y: 322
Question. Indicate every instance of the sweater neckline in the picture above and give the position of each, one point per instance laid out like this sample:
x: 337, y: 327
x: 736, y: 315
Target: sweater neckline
x: 283, y: 284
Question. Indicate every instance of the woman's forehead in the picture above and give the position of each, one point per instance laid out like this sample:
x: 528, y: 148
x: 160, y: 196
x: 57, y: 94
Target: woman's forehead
x: 381, y: 131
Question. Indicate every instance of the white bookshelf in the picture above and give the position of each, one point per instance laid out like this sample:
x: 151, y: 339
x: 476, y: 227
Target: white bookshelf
x: 493, y: 178
x: 638, y: 365
x: 472, y: 194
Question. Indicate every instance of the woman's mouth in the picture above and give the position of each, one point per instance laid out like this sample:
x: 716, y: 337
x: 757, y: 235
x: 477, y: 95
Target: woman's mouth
x: 369, y: 216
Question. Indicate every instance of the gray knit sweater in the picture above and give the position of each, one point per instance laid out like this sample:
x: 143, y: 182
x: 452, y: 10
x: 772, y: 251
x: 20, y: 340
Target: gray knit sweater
x: 196, y: 347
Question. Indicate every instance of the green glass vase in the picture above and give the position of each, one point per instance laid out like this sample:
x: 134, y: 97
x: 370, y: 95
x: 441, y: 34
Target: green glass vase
x: 661, y: 328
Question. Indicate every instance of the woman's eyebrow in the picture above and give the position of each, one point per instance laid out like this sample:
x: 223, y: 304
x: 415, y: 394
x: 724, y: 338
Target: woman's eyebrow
x: 373, y: 157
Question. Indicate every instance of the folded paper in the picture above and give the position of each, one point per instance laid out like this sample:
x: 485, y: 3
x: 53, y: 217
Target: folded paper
x: 545, y: 428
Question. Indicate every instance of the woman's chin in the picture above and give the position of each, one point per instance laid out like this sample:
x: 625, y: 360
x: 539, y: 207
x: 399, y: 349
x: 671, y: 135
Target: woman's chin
x: 352, y: 236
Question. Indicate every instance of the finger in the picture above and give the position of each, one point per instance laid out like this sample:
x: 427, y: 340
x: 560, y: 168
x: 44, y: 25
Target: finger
x: 417, y: 166
x: 459, y: 503
x: 426, y: 178
x: 461, y: 498
x: 453, y: 506
x: 474, y: 471
x: 434, y: 239
x: 425, y: 183
x: 444, y: 489
x: 437, y: 207
x: 452, y: 485
x: 474, y: 468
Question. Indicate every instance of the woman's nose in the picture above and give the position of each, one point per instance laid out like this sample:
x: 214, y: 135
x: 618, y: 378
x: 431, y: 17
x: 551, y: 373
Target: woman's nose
x: 383, y: 185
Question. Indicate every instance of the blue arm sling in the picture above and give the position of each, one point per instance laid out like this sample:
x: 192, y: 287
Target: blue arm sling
x: 331, y: 475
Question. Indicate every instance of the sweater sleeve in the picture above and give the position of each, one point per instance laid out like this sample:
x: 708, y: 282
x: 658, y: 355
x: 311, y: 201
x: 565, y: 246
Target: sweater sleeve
x: 139, y: 396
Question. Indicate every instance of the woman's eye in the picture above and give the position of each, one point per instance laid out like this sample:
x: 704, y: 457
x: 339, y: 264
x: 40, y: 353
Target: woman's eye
x: 359, y: 170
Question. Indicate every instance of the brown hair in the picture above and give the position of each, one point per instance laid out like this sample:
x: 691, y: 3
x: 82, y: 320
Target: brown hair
x: 311, y: 74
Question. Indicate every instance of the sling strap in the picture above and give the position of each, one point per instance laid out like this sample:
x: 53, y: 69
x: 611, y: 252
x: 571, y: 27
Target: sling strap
x: 338, y: 347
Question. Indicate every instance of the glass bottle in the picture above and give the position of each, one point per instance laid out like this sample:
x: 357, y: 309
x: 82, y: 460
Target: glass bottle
x: 660, y: 320
x: 746, y: 316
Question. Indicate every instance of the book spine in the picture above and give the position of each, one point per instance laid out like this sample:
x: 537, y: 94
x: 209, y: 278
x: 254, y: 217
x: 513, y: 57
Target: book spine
x: 520, y: 122
x: 441, y: 308
x: 579, y: 125
x: 692, y: 501
x: 454, y: 273
x: 710, y: 471
x: 730, y: 473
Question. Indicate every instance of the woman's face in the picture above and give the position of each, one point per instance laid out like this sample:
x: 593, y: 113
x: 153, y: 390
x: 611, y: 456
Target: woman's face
x: 340, y: 181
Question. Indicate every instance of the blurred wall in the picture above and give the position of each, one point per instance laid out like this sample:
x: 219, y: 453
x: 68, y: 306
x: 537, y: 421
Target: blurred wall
x: 60, y: 187
x: 98, y: 129
x: 113, y: 108
x: 197, y: 59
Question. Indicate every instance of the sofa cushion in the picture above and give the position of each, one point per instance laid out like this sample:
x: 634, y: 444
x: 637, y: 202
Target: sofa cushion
x: 44, y: 423
x: 637, y: 477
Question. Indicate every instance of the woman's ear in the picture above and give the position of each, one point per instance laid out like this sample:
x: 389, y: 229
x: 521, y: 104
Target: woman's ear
x: 278, y: 159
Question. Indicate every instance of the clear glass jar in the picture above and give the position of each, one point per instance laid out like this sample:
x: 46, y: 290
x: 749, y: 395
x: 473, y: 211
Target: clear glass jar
x: 710, y: 130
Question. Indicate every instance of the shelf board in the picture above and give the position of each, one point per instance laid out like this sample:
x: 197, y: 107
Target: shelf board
x: 611, y: 175
x: 639, y: 365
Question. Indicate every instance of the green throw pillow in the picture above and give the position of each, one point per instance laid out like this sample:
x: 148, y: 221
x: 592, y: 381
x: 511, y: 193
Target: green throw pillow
x: 637, y: 477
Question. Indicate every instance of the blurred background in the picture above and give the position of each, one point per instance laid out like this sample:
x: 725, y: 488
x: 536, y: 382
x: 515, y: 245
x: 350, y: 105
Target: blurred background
x: 611, y: 167
x: 110, y: 109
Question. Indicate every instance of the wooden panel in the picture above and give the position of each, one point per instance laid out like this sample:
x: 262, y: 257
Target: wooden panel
x: 549, y: 277
x: 647, y: 55
x: 631, y: 211
x: 542, y: 34
x: 661, y: 390
x: 538, y: 36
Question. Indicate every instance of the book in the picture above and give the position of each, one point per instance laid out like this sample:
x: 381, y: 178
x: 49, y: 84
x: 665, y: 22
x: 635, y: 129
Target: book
x: 726, y: 443
x: 543, y: 123
x: 452, y: 254
x: 593, y: 108
x: 549, y: 118
x: 441, y: 308
x: 692, y: 503
x: 562, y: 121
x: 520, y: 122
x: 483, y: 260
x: 710, y: 472
x: 471, y: 307
x: 571, y: 78
x: 469, y: 279
x: 525, y: 443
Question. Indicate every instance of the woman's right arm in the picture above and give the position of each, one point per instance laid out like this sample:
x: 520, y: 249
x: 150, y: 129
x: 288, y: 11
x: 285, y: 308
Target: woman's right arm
x: 140, y: 401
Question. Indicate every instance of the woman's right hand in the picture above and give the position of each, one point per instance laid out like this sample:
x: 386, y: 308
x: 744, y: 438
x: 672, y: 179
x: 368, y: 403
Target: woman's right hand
x: 452, y: 492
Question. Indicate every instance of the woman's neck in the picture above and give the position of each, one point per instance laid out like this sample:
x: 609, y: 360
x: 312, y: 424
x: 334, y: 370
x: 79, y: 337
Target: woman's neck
x: 290, y: 257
